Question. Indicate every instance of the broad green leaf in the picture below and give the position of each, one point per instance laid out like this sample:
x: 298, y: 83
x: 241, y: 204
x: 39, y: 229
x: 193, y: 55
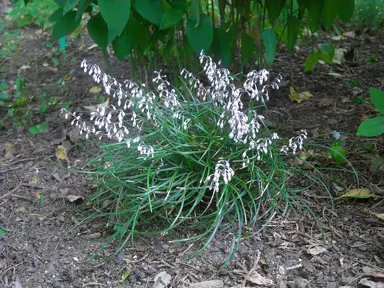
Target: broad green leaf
x: 57, y: 15
x: 311, y: 61
x: 371, y: 127
x: 124, y: 44
x: 329, y: 12
x: 293, y: 31
x: 26, y: 2
x: 60, y: 3
x: 4, y: 96
x: 151, y: 10
x: 69, y: 5
x: 270, y: 43
x: 83, y: 5
x: 315, y: 9
x: 346, y: 9
x: 221, y: 47
x: 171, y: 18
x: 377, y: 98
x: 200, y: 37
x: 34, y: 130
x: 98, y: 30
x: 362, y: 193
x: 180, y: 4
x: 195, y: 11
x: 338, y: 153
x: 248, y: 47
x: 116, y: 15
x: 66, y: 25
x: 327, y: 52
x: 42, y: 127
x: 274, y: 8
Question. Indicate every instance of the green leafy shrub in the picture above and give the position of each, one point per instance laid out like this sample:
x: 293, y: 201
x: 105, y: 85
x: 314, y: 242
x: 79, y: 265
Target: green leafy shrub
x: 375, y: 126
x: 191, y: 157
x: 159, y: 31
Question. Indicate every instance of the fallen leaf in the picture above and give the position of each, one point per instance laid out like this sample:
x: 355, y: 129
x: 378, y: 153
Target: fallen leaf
x: 299, y: 97
x: 362, y: 193
x: 95, y: 90
x: 36, y: 195
x: 350, y: 34
x: 337, y: 75
x: 380, y: 216
x: 93, y: 108
x: 339, y: 58
x: 75, y: 198
x: 316, y: 250
x: 126, y: 272
x: 92, y: 47
x: 371, y: 284
x: 162, y: 280
x: 257, y: 279
x: 61, y: 153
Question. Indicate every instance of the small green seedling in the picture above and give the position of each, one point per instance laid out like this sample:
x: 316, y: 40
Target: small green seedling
x: 338, y: 153
x: 374, y: 126
x: 38, y: 128
x: 372, y: 59
x: 3, y: 231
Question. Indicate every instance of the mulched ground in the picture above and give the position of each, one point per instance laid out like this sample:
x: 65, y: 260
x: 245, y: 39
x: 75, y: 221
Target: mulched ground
x: 45, y: 246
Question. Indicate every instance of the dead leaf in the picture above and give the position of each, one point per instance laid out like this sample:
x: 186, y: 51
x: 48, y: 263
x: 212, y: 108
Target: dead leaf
x: 316, y: 250
x: 339, y: 58
x: 126, y: 272
x: 95, y: 90
x: 75, y: 198
x: 93, y: 108
x: 299, y: 97
x: 92, y: 47
x: 362, y: 193
x: 162, y: 280
x: 371, y: 284
x: 380, y: 216
x: 257, y: 279
x: 350, y: 34
x: 61, y: 153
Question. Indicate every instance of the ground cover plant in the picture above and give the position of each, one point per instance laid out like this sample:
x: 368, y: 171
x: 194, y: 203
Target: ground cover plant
x: 194, y: 157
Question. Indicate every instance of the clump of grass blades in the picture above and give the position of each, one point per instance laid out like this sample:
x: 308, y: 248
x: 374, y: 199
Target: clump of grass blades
x: 198, y: 159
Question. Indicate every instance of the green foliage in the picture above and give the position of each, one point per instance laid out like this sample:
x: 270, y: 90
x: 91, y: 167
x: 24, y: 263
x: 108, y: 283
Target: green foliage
x: 375, y: 126
x: 38, y: 129
x: 369, y: 14
x: 158, y: 29
x: 326, y: 52
x: 338, y: 153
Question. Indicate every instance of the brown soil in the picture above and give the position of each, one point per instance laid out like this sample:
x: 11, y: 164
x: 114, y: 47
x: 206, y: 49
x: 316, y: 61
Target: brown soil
x: 44, y: 248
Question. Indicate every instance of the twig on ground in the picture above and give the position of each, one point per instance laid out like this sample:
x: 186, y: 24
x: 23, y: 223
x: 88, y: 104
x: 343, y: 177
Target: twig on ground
x: 13, y: 190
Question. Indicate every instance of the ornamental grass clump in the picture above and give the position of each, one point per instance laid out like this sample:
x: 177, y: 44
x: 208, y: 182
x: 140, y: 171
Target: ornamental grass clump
x: 192, y: 157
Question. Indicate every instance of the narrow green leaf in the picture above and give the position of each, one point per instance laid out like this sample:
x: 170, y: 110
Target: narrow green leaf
x: 329, y: 12
x: 274, y: 8
x: 315, y: 10
x: 221, y: 46
x: 293, y: 31
x: 311, y: 61
x: 3, y: 231
x: 371, y: 127
x: 34, y: 130
x: 346, y: 9
x: 151, y: 10
x: 116, y: 15
x: 98, y: 30
x: 248, y: 47
x: 270, y: 43
x: 302, y: 6
x: 377, y: 98
x: 200, y: 37
x: 123, y: 44
x: 66, y: 25
x: 327, y: 52
x: 4, y: 96
x: 69, y: 5
x: 171, y: 18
